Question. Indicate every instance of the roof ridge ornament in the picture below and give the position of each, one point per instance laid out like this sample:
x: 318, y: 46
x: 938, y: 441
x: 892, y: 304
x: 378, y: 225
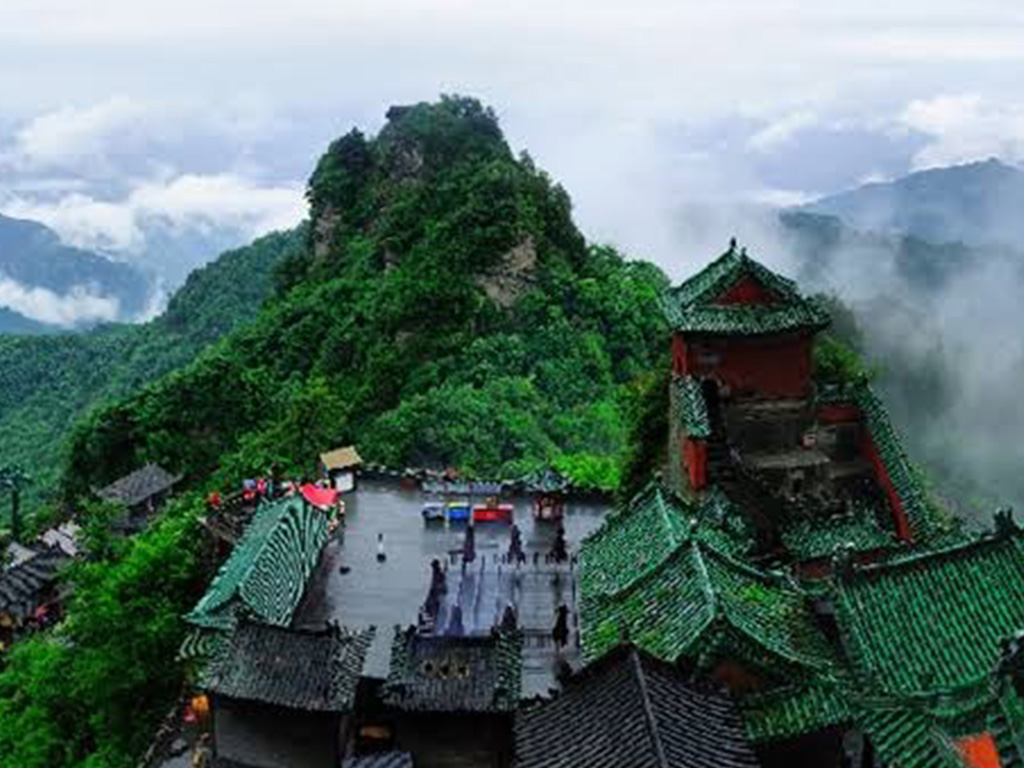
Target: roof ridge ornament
x: 843, y: 563
x: 1003, y: 523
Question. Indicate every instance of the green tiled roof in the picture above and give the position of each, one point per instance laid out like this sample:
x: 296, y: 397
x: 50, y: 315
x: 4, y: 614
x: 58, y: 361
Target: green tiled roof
x: 633, y: 540
x: 546, y: 480
x: 691, y: 306
x: 267, y: 570
x: 809, y: 538
x: 906, y: 736
x: 794, y: 710
x: 691, y: 410
x: 701, y: 603
x: 933, y: 622
x: 724, y: 526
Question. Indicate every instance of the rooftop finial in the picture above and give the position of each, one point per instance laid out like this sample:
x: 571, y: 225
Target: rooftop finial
x: 732, y: 245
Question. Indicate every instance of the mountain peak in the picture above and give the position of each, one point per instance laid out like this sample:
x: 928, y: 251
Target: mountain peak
x: 976, y: 203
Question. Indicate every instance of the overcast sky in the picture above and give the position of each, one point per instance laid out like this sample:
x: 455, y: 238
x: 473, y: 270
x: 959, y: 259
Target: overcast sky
x: 212, y: 112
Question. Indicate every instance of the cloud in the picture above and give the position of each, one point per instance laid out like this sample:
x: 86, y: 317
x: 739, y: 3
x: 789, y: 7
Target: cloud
x: 77, y: 137
x: 186, y: 201
x: 83, y: 221
x: 781, y: 131
x: 80, y: 305
x: 965, y: 127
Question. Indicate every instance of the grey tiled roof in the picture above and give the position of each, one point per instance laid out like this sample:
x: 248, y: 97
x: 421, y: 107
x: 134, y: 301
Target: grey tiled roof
x: 379, y: 760
x: 628, y: 710
x: 21, y: 585
x: 298, y: 669
x: 454, y: 674
x: 140, y: 485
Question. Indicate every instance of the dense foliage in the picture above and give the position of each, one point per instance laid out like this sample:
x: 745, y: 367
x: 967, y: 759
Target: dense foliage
x: 446, y: 311
x: 46, y: 383
x: 91, y: 693
x: 441, y: 309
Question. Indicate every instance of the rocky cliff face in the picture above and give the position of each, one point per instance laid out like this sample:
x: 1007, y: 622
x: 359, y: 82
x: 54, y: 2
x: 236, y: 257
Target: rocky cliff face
x: 512, y: 276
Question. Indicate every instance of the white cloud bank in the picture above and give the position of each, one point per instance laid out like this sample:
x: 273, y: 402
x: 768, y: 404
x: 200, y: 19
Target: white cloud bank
x: 81, y: 305
x: 186, y: 201
x: 966, y: 127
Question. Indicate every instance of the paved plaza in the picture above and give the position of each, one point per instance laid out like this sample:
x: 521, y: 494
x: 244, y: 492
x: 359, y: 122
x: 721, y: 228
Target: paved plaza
x: 353, y: 588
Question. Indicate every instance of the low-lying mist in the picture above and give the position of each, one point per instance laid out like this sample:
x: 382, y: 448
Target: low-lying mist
x: 941, y: 324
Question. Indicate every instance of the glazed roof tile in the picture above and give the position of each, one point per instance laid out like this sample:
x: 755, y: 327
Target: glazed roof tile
x: 267, y: 570
x: 298, y: 669
x: 922, y: 521
x: 691, y: 409
x: 809, y: 538
x: 546, y: 480
x: 906, y: 736
x: 936, y: 621
x: 692, y: 307
x: 793, y: 710
x: 649, y: 576
x: 1006, y: 724
x: 633, y: 540
x: 629, y: 709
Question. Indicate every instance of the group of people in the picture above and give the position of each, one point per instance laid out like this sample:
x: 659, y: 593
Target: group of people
x: 430, y: 610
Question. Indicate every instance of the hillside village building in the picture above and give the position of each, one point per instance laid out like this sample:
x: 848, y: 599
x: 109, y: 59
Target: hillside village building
x: 142, y: 492
x: 787, y: 596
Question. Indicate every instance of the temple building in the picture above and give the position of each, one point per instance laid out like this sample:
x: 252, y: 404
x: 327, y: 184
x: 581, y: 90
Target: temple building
x: 265, y: 576
x: 31, y: 594
x: 142, y: 492
x: 794, y: 558
x: 808, y: 467
x: 783, y: 593
x: 449, y: 700
x: 284, y: 698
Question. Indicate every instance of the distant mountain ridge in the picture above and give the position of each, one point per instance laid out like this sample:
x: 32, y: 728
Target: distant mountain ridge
x: 976, y: 203
x: 48, y: 381
x: 33, y: 257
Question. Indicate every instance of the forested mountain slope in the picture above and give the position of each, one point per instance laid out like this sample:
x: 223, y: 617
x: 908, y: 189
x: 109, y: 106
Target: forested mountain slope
x: 48, y: 382
x: 445, y: 312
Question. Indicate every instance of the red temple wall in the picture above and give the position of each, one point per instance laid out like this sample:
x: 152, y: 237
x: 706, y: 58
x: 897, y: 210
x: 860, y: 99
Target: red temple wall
x: 695, y: 460
x: 882, y: 475
x: 776, y: 366
x: 746, y: 291
x: 839, y: 413
x: 679, y: 355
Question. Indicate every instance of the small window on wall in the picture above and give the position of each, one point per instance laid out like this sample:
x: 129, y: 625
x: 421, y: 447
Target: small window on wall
x: 709, y: 358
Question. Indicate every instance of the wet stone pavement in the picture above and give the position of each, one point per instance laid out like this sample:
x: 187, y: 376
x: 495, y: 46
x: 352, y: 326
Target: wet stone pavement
x: 351, y: 587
